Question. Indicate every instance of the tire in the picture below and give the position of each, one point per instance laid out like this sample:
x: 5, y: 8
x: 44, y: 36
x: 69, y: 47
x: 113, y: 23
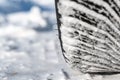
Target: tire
x: 89, y: 33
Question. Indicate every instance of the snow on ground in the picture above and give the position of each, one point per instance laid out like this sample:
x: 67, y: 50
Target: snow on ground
x: 27, y: 53
x: 17, y: 32
x: 29, y: 58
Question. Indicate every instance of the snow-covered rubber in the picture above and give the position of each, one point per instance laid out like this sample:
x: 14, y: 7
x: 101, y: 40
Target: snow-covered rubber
x: 89, y: 33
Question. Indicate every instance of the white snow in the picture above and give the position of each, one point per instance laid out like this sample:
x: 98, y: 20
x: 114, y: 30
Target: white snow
x: 2, y: 19
x: 17, y: 32
x: 31, y: 18
x: 26, y: 54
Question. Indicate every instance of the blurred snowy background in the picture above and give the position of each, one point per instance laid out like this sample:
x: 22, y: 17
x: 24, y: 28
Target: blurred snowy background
x: 29, y: 46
